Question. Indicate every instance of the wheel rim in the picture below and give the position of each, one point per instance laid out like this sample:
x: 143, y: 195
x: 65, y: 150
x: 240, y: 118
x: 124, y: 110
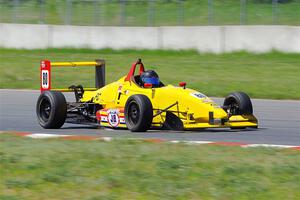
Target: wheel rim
x: 45, y: 109
x: 133, y: 113
x: 233, y: 107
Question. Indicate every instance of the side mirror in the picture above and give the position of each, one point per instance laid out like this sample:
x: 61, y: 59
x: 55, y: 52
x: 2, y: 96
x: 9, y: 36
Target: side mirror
x: 147, y: 85
x: 182, y: 84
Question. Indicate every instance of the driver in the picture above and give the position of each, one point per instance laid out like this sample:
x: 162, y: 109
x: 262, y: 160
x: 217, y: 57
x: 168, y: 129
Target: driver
x: 150, y: 76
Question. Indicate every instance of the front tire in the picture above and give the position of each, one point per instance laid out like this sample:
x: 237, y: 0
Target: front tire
x: 238, y: 103
x: 138, y: 113
x: 51, y: 109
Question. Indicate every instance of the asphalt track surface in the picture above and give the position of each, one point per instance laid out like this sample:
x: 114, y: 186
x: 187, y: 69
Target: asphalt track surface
x: 279, y: 123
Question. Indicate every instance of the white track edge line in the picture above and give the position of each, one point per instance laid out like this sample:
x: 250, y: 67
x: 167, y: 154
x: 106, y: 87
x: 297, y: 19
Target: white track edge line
x: 45, y: 135
x: 108, y: 139
x: 270, y: 145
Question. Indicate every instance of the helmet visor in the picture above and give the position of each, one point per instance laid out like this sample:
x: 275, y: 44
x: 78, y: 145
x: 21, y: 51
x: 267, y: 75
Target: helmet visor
x: 153, y: 80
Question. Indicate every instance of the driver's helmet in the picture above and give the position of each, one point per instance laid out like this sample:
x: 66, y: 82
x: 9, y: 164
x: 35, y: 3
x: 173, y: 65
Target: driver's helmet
x: 150, y: 76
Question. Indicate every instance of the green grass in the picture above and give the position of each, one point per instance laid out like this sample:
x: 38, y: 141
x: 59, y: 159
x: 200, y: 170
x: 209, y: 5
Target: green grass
x: 272, y: 75
x: 137, y: 13
x: 127, y: 169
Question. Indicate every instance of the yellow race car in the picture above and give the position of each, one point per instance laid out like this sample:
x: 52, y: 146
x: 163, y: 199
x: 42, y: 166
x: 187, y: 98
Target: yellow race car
x: 138, y: 102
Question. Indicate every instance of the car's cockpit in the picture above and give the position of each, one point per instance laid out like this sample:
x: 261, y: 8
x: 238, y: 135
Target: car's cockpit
x: 145, y: 79
x: 137, y: 79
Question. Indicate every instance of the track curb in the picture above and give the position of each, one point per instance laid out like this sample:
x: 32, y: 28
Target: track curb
x: 150, y: 140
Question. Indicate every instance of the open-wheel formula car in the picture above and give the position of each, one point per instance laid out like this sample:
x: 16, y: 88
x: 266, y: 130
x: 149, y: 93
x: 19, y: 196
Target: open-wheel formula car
x: 138, y: 102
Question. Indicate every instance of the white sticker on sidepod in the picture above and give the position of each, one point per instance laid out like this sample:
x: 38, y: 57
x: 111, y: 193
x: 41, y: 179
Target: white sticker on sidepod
x: 198, y: 95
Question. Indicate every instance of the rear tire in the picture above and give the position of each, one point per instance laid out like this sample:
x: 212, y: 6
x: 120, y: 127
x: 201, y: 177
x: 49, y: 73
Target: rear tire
x: 238, y: 103
x: 51, y: 109
x: 138, y: 113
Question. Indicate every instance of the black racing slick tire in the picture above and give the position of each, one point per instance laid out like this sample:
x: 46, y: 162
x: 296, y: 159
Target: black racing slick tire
x: 238, y: 103
x: 172, y: 122
x: 51, y: 109
x: 138, y: 113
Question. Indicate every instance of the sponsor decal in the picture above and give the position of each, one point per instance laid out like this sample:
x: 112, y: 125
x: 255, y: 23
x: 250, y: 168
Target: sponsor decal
x: 120, y: 88
x: 98, y: 116
x: 103, y: 118
x: 198, y: 95
x: 97, y: 97
x: 43, y: 64
x: 122, y: 120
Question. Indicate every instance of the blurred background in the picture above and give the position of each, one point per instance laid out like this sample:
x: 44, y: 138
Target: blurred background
x: 232, y: 42
x: 151, y: 12
x: 216, y: 46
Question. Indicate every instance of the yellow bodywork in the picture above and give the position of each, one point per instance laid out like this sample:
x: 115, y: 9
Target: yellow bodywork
x: 190, y: 106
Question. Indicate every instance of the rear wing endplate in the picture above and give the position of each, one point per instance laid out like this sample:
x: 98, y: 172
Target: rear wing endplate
x: 46, y: 67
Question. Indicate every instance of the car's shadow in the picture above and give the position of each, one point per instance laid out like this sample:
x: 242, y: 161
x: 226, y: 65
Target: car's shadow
x: 212, y: 130
x: 216, y: 130
x: 80, y: 127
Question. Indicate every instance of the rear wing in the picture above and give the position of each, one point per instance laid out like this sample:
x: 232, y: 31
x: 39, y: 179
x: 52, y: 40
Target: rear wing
x: 46, y: 67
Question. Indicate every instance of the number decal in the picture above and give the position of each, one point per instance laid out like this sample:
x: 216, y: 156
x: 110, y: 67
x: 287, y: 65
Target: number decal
x: 113, y: 118
x: 45, y: 79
